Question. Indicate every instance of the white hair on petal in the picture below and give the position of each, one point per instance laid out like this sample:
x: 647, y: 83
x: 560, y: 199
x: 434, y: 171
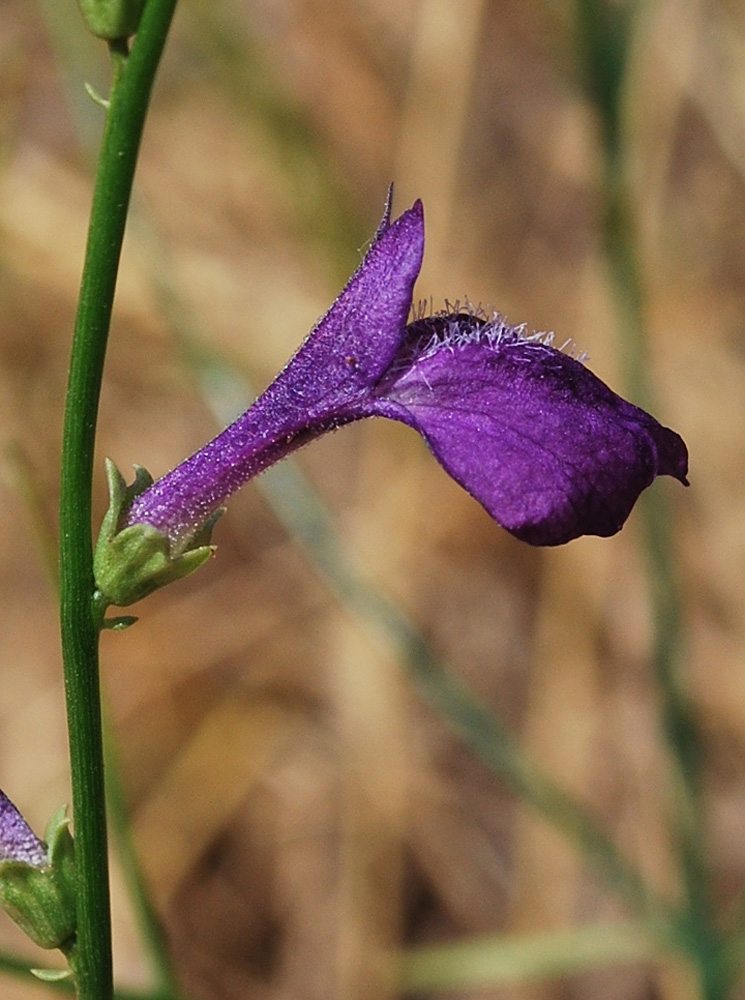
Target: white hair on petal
x: 490, y: 329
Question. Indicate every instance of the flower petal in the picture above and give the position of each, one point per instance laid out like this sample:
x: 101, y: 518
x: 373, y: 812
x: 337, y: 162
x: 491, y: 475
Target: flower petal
x: 352, y: 345
x: 548, y: 449
x: 18, y: 842
x: 341, y: 359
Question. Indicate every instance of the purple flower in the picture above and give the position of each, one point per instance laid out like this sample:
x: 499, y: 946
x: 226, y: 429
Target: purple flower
x: 18, y: 842
x: 548, y: 449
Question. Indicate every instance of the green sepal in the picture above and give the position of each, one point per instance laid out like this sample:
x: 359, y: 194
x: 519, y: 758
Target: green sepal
x: 120, y: 622
x: 41, y: 900
x: 52, y: 975
x: 112, y: 19
x: 132, y: 562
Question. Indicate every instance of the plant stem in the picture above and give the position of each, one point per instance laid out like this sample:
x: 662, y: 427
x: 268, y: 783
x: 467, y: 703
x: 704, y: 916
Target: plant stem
x: 133, y: 75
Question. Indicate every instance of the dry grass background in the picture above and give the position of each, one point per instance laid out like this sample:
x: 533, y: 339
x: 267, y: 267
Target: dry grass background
x: 297, y: 810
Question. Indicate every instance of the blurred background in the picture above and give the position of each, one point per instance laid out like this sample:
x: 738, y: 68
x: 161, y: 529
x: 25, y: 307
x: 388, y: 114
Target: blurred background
x: 299, y: 813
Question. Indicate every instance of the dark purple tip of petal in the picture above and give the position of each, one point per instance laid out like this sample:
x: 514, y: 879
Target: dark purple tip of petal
x: 18, y: 842
x: 549, y: 450
x: 672, y: 454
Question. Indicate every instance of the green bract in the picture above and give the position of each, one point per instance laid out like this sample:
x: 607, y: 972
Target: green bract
x: 41, y: 898
x: 131, y: 562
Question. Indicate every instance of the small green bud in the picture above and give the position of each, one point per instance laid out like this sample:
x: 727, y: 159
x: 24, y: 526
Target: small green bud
x: 112, y: 19
x: 38, y: 892
x: 132, y: 562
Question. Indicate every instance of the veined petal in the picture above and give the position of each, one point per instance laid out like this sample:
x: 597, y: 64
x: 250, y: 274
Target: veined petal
x: 547, y: 448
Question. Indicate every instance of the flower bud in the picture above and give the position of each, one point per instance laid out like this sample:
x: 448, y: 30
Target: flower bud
x: 37, y: 880
x: 111, y: 19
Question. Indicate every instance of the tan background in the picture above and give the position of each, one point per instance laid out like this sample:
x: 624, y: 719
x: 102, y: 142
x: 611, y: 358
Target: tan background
x: 297, y: 810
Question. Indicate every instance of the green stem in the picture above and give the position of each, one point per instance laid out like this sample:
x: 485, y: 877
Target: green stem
x: 133, y: 79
